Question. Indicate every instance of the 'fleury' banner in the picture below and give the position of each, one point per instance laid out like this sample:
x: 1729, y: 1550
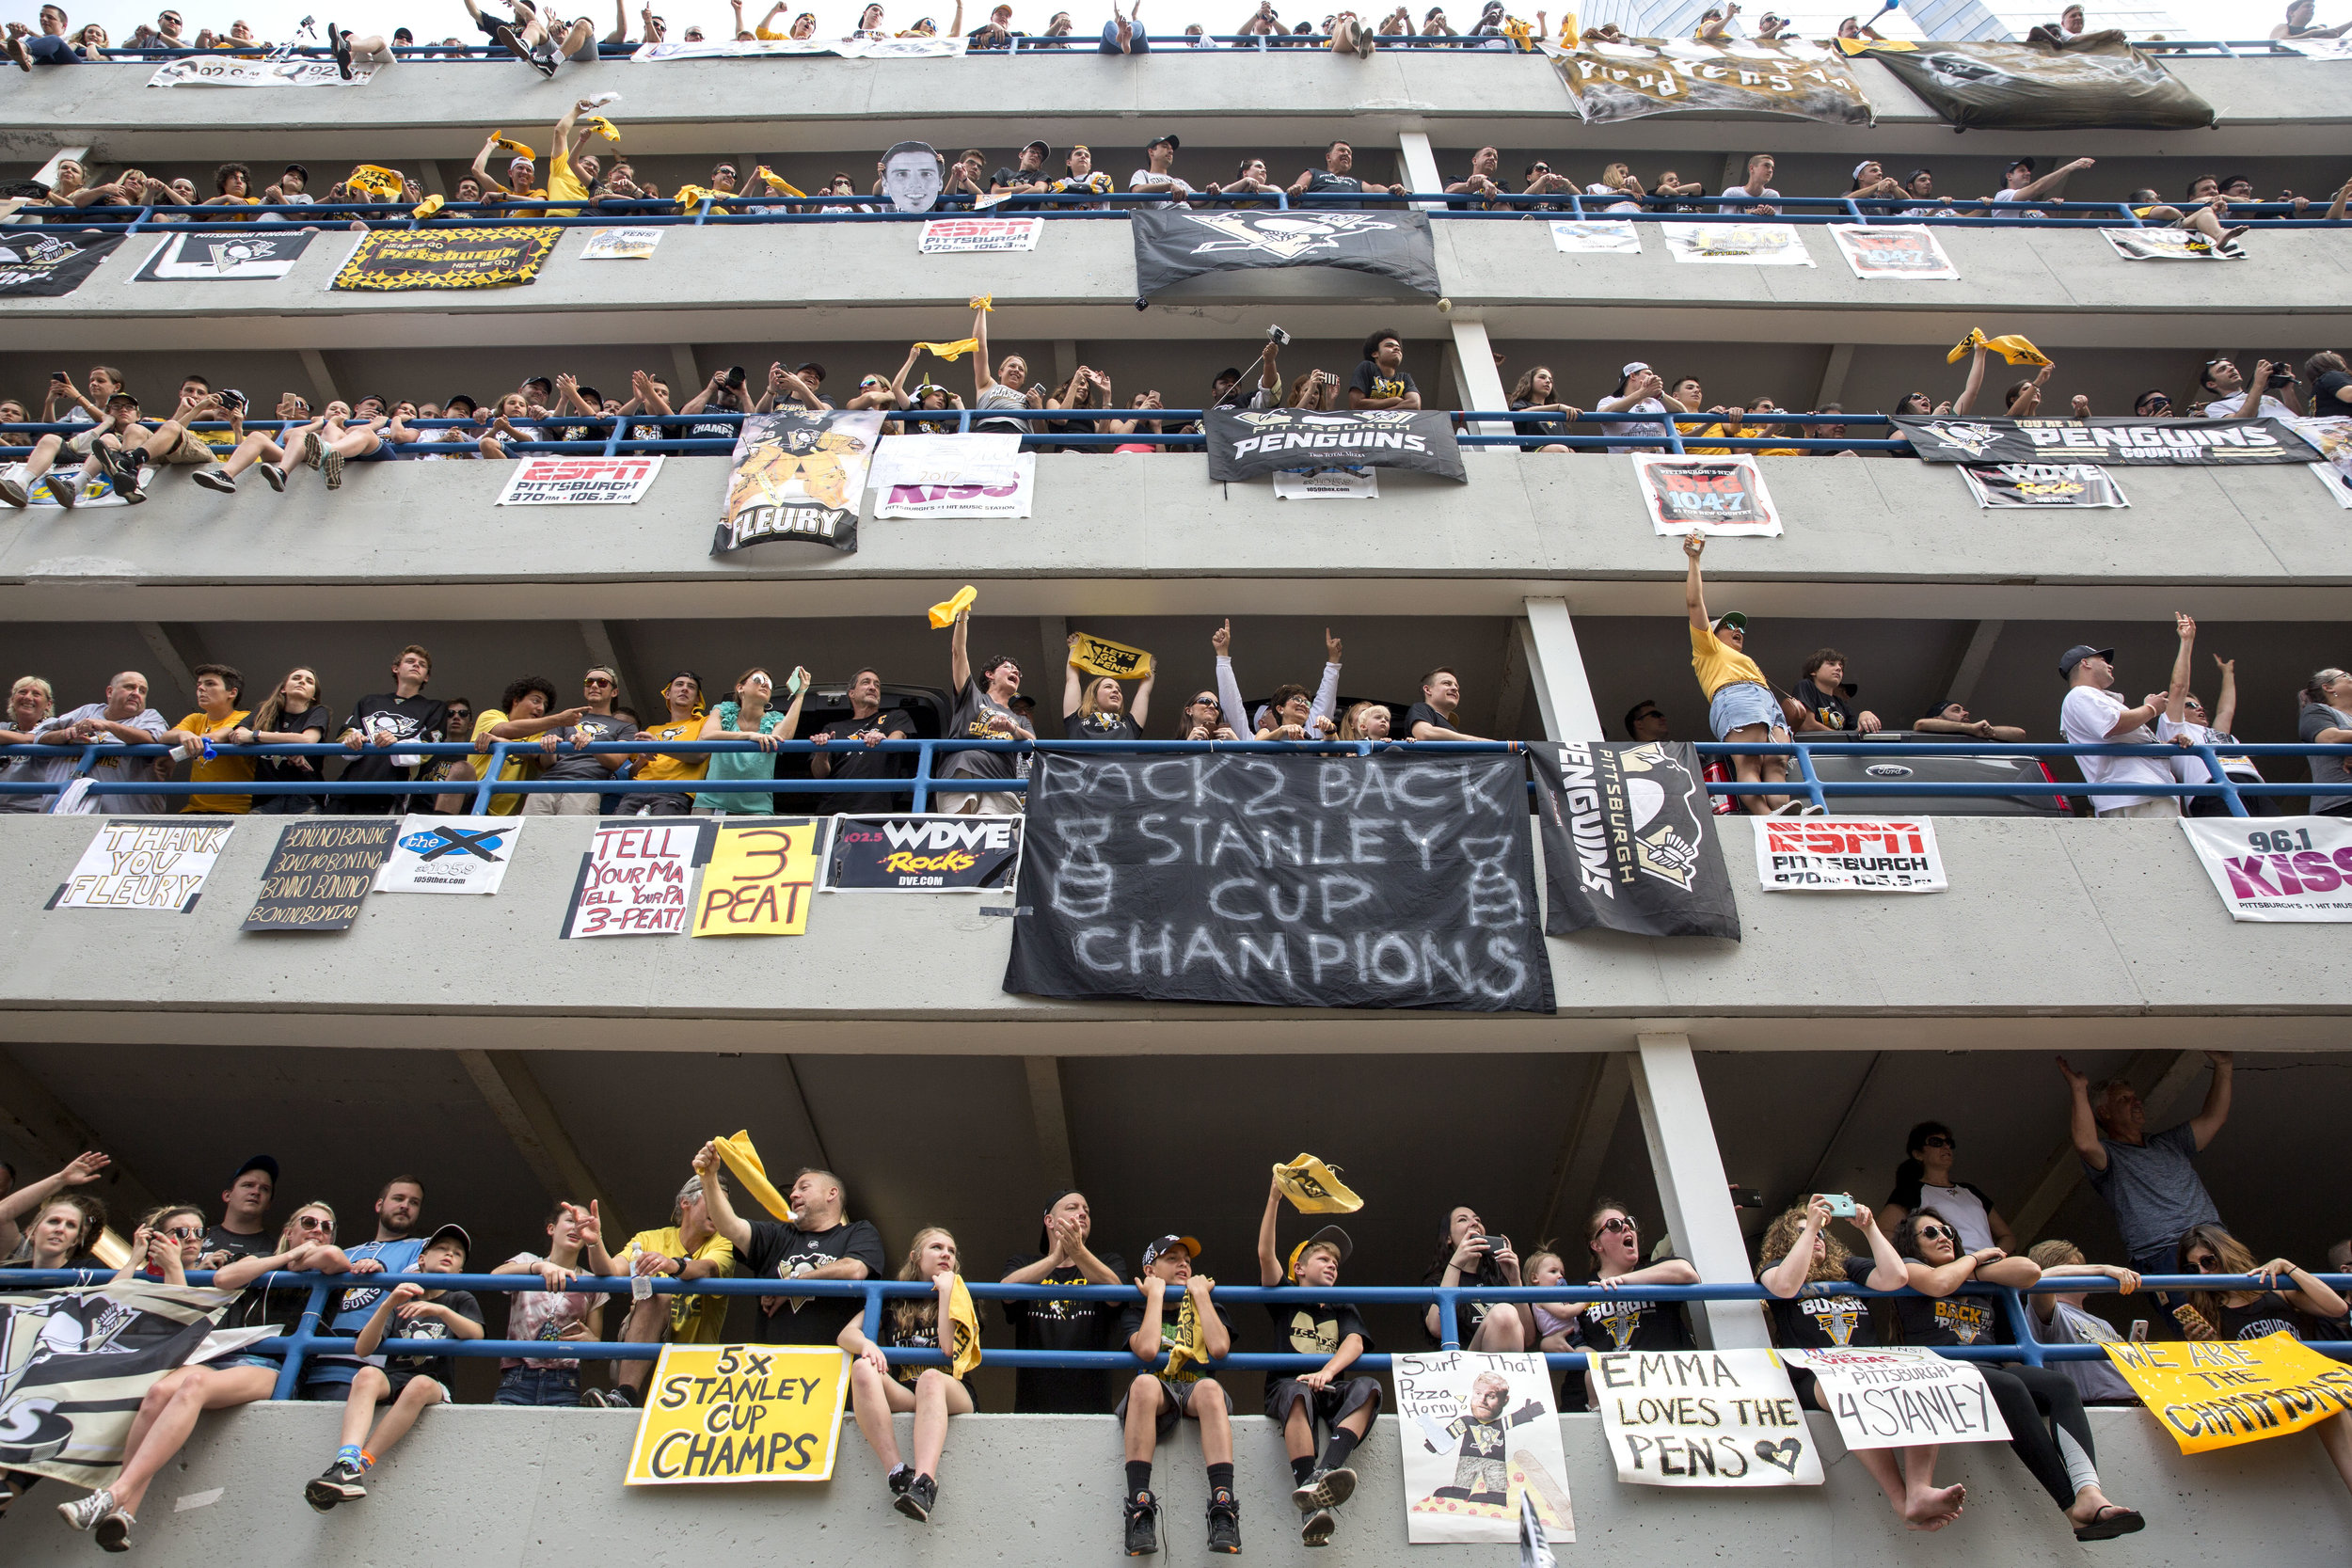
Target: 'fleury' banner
x: 2219, y: 1393
x: 1638, y: 77
x: 2280, y: 870
x: 145, y: 863
x: 1627, y: 841
x: 2138, y: 443
x: 1390, y: 880
x: 1244, y: 444
x: 1173, y: 245
x: 798, y: 476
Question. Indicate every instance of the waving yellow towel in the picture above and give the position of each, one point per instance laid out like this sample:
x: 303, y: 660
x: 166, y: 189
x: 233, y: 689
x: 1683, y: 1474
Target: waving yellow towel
x: 781, y: 186
x: 501, y: 140
x: 743, y: 1159
x: 1186, y: 1346
x: 2016, y: 350
x: 944, y: 614
x: 604, y: 128
x: 982, y: 302
x: 963, y: 1353
x: 951, y: 352
x: 1316, y: 1188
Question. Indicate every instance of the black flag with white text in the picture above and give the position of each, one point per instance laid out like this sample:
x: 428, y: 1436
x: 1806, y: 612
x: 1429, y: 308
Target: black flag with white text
x: 1246, y: 443
x: 1628, y: 840
x: 1173, y: 245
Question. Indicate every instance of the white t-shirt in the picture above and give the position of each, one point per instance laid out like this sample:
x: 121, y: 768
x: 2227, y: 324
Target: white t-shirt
x: 2270, y: 408
x: 1144, y: 180
x: 2189, y: 768
x: 1965, y: 1212
x: 1647, y: 405
x: 1740, y: 193
x: 2085, y: 718
x: 1622, y: 203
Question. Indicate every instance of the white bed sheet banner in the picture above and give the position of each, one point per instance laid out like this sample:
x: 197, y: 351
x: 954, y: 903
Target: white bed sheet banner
x: 1478, y: 1432
x: 1895, y: 1397
x: 1596, y: 239
x: 1720, y: 1418
x: 849, y: 48
x: 2280, y: 870
x: 1763, y: 245
x: 212, y: 70
x: 2332, y: 435
x: 1848, y: 854
x: 139, y: 862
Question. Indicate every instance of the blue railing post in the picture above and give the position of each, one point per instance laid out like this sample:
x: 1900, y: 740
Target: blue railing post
x: 871, y: 1324
x: 923, y: 777
x: 290, y: 1375
x: 489, y: 776
x: 1449, y: 1322
x: 2021, y: 1329
x: 2229, y: 790
x: 1812, y: 780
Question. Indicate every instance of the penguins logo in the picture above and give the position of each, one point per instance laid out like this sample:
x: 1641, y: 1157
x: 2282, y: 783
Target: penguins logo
x: 1658, y: 791
x: 1284, y: 235
x: 1974, y: 439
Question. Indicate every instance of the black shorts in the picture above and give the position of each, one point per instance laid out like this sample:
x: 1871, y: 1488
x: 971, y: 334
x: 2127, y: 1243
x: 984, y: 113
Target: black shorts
x: 1175, y: 1399
x: 1329, y: 1405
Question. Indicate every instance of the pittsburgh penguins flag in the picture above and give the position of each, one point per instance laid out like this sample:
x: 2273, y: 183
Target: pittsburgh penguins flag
x: 2095, y: 80
x: 49, y: 262
x: 74, y: 1365
x: 1172, y: 245
x: 2130, y: 443
x: 1628, y: 841
x: 1244, y: 444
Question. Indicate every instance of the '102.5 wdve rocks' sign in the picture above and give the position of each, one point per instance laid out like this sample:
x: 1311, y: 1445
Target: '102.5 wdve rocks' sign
x: 1382, y: 881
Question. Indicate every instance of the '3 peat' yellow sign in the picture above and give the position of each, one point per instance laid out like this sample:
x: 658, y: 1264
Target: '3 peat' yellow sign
x: 719, y: 1413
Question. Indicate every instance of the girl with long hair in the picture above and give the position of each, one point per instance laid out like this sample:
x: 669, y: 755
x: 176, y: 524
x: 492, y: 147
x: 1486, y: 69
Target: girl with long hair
x: 746, y: 716
x: 880, y: 1390
x: 2253, y: 1314
x: 1095, y: 707
x: 1803, y: 1266
x: 1925, y: 1176
x: 1467, y: 1255
x: 1538, y: 393
x: 294, y: 714
x: 1204, y: 718
x: 2040, y: 1406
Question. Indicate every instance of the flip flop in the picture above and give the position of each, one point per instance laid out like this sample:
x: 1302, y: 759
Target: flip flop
x: 2113, y: 1520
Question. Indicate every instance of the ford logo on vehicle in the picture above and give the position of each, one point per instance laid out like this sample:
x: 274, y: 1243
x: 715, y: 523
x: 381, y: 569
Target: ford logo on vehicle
x: 1887, y: 771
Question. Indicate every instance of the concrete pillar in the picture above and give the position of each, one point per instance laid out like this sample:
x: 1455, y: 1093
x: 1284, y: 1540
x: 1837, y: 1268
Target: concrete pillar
x: 1471, y: 357
x: 1691, y: 1187
x: 1421, y: 165
x: 1556, y: 667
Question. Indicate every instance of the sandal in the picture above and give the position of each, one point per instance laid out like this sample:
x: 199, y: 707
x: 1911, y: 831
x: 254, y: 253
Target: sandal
x: 2113, y: 1520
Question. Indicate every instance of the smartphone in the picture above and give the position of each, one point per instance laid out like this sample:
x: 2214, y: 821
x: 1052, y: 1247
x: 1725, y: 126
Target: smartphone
x: 2190, y: 1318
x: 60, y: 375
x: 793, y: 681
x: 1276, y: 336
x: 2140, y: 1331
x: 1840, y: 1205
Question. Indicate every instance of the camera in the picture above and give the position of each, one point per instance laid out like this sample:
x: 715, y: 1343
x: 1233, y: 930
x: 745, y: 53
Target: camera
x: 1279, y: 337
x: 734, y: 377
x: 232, y: 398
x: 2280, y: 374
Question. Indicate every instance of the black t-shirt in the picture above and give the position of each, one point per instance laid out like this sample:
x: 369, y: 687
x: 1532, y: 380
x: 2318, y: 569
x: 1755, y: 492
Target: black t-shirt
x: 974, y: 707
x: 1062, y: 1325
x: 1951, y: 1321
x: 237, y: 1244
x: 1324, y: 182
x: 569, y: 764
x: 1373, y: 383
x: 923, y: 1337
x: 848, y: 758
x: 1467, y: 1315
x: 1555, y: 425
x: 439, y: 1368
x: 417, y: 718
x: 1101, y: 726
x: 1312, y: 1328
x: 2325, y: 401
x: 2268, y: 1313
x: 1833, y: 708
x: 1825, y: 1323
x: 777, y: 1249
x: 289, y: 770
x: 1621, y: 1322
x: 1421, y: 713
x: 1171, y: 1311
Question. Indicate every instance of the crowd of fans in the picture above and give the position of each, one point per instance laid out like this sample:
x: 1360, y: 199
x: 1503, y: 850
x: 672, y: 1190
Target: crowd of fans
x: 1936, y: 1234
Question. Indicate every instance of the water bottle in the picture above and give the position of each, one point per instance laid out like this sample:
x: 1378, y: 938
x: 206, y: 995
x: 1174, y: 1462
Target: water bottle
x: 640, y: 1285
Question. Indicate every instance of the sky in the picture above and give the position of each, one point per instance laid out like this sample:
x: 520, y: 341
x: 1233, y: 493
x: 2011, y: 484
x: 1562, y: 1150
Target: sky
x: 434, y: 20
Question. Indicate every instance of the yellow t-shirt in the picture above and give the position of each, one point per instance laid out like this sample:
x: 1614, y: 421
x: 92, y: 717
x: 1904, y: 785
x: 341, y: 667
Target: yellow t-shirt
x: 564, y: 186
x: 1717, y: 666
x: 694, y: 1320
x: 220, y: 769
x: 522, y: 762
x: 675, y: 766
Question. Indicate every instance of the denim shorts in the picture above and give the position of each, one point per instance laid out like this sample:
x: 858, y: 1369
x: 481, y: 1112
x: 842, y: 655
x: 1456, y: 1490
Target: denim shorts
x: 1744, y: 703
x: 538, y: 1386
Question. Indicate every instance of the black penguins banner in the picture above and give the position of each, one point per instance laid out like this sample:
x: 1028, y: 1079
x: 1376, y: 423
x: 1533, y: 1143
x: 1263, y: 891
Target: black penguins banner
x: 1628, y: 841
x: 1244, y: 444
x: 1626, y: 81
x: 2095, y: 81
x: 798, y: 476
x: 47, y: 261
x: 1389, y: 880
x: 1171, y: 246
x: 390, y: 259
x: 74, y: 1365
x: 2129, y: 442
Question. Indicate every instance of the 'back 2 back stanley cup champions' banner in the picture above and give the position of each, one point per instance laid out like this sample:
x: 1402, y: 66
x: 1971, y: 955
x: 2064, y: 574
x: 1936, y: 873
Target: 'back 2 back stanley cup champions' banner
x: 1626, y: 81
x: 2129, y: 442
x: 798, y: 476
x: 1389, y: 880
x: 1171, y: 246
x: 2097, y: 79
x: 1245, y: 444
x: 1627, y: 842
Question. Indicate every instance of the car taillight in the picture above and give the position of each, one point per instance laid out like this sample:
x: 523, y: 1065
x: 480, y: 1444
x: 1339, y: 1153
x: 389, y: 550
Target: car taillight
x: 2057, y: 802
x: 1726, y: 805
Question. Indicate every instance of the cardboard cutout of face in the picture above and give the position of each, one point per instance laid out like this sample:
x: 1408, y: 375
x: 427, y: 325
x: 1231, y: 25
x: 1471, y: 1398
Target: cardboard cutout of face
x: 912, y: 176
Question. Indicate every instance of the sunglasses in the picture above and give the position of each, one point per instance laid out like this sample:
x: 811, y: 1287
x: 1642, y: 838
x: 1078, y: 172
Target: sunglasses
x: 185, y: 1232
x: 1208, y: 702
x: 2207, y: 1263
x: 1615, y: 1226
x: 1937, y: 1233
x: 1543, y: 168
x: 594, y: 680
x: 1937, y: 1140
x: 312, y: 1222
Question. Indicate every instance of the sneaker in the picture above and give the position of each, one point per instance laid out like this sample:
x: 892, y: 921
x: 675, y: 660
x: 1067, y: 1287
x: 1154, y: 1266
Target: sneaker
x: 65, y: 489
x: 1325, y: 1489
x: 900, y: 1476
x: 1224, y: 1522
x: 544, y: 60
x: 13, y: 493
x: 272, y: 473
x: 333, y: 465
x: 83, y: 1513
x: 919, y: 1499
x: 113, y: 1531
x: 1318, y: 1528
x: 312, y: 448
x: 1364, y: 44
x: 341, y: 41
x: 1143, y: 1524
x: 213, y: 479
x: 122, y: 469
x: 342, y: 1482
x: 592, y: 1397
x: 506, y: 36
x: 620, y: 1398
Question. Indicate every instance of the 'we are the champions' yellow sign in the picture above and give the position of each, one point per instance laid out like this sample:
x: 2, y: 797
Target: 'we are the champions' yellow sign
x: 723, y: 1413
x: 2217, y: 1393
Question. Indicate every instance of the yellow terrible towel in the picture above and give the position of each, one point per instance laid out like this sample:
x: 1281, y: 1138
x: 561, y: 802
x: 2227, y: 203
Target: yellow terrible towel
x: 775, y: 184
x: 743, y: 1159
x: 500, y: 139
x: 2016, y: 350
x: 1316, y: 1188
x: 951, y: 352
x: 604, y: 128
x: 982, y: 302
x: 1974, y: 339
x: 944, y: 614
x: 1186, y: 1345
x: 963, y: 1353
x: 689, y: 196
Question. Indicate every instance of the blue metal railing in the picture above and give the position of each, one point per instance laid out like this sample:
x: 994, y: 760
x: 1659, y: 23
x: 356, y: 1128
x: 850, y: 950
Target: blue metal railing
x: 927, y: 781
x: 306, y: 1340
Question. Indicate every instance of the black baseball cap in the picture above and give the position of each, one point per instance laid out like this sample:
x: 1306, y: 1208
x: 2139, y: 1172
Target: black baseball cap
x: 1155, y: 141
x: 2076, y: 653
x: 1044, y: 1244
x: 1168, y: 1243
x: 2016, y: 163
x: 1042, y: 146
x: 267, y: 1164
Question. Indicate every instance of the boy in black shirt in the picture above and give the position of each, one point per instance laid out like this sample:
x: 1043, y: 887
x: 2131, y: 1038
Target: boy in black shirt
x: 1827, y: 696
x: 243, y: 1229
x: 1381, y: 380
x: 1158, y: 1398
x: 412, y: 1382
x: 1345, y: 1405
x: 385, y: 722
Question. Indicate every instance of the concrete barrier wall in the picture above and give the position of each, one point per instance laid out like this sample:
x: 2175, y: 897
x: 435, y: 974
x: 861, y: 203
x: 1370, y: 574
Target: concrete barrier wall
x: 2068, y: 931
x: 1150, y: 535
x: 497, y: 1487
